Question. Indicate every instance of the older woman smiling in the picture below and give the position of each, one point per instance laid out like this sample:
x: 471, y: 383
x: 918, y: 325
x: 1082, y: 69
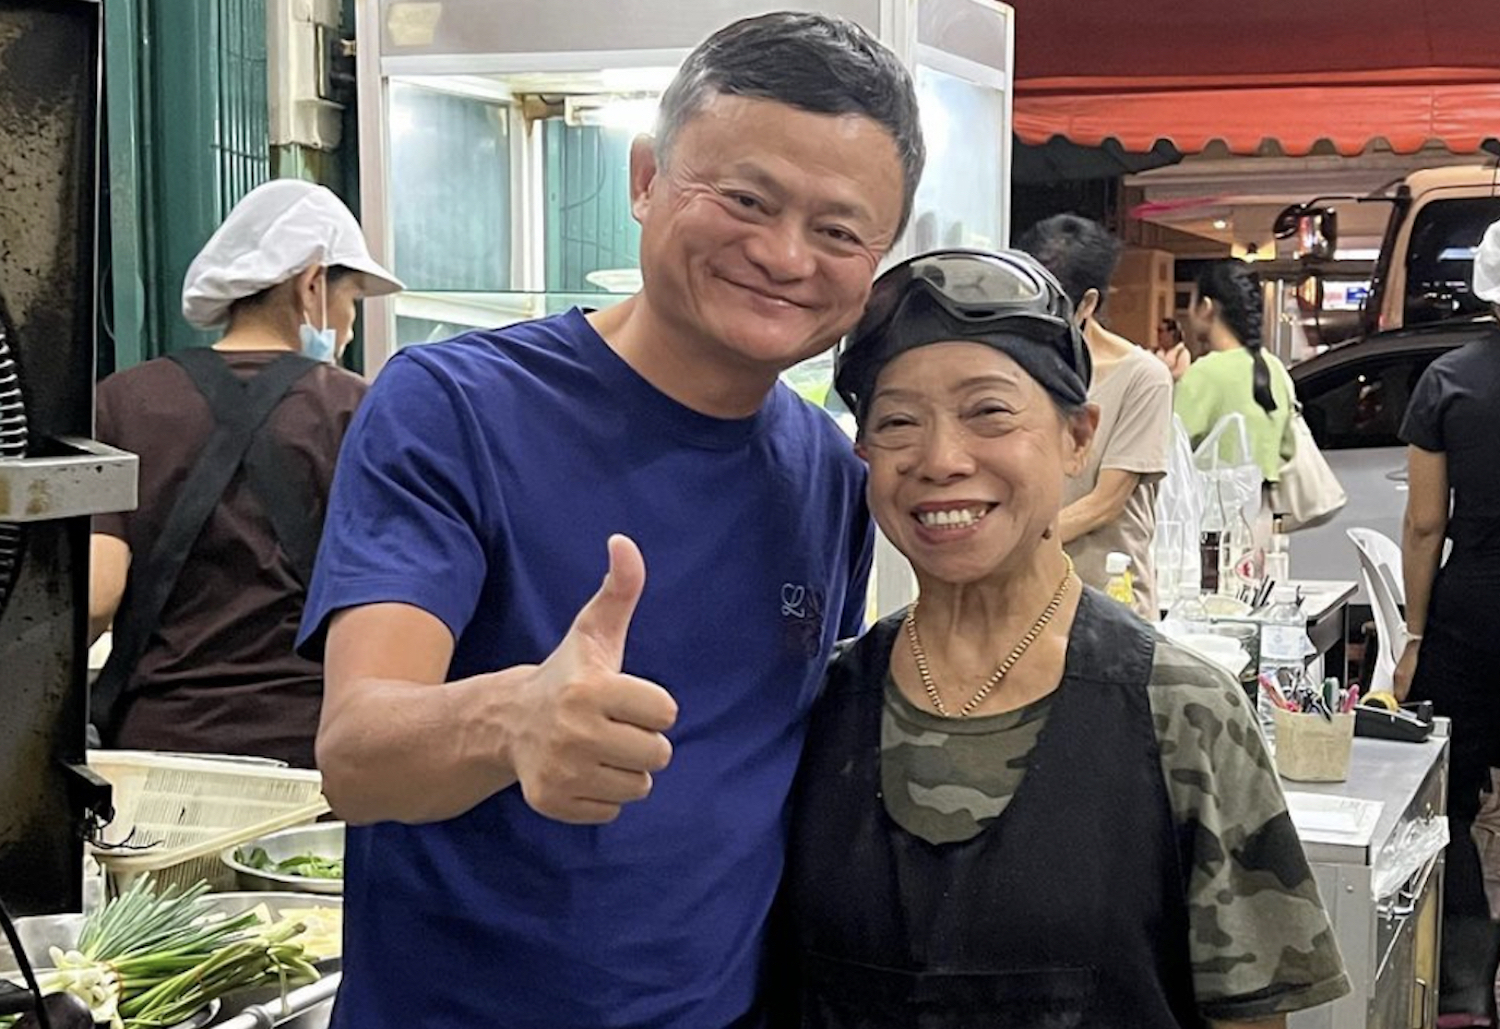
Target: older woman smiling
x: 1018, y: 805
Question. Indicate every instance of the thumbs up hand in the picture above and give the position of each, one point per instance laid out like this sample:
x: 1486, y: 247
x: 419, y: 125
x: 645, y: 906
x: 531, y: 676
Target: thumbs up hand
x: 587, y: 737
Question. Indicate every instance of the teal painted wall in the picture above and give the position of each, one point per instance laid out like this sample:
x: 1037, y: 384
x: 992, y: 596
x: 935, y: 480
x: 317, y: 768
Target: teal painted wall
x: 187, y: 136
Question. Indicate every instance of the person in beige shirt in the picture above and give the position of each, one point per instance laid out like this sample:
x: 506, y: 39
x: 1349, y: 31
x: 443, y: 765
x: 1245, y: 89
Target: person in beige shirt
x: 1111, y: 504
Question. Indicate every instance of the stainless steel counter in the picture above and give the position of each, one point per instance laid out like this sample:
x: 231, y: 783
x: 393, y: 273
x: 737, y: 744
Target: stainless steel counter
x: 1384, y: 770
x: 1387, y: 933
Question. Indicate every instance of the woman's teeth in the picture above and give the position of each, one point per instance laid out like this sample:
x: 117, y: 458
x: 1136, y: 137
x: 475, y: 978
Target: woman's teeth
x: 962, y: 518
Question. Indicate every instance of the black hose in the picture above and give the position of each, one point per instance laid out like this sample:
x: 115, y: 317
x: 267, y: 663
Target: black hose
x: 14, y: 439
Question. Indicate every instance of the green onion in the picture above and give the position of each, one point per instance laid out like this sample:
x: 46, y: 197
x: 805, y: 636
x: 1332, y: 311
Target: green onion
x: 148, y: 960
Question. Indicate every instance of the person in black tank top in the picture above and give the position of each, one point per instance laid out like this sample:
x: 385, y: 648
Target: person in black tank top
x: 982, y: 834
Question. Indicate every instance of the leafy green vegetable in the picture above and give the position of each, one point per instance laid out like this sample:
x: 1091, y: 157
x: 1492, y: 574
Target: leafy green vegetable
x: 309, y: 865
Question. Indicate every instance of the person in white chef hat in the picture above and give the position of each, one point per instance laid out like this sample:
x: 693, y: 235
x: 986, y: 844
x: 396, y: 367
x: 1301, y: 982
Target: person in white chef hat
x: 1487, y: 268
x: 287, y: 267
x: 1449, y: 649
x: 205, y: 582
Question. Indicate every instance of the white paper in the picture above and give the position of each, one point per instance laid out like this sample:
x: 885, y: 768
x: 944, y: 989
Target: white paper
x: 1340, y: 820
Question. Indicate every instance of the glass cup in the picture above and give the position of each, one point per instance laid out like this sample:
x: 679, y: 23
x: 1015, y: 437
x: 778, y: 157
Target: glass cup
x: 1176, y: 566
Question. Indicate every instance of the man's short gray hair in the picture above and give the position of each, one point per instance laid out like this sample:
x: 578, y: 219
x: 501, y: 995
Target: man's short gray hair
x: 814, y: 62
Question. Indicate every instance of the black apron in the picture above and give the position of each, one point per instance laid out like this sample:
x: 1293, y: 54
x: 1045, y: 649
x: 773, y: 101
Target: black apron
x: 1068, y: 910
x: 240, y: 409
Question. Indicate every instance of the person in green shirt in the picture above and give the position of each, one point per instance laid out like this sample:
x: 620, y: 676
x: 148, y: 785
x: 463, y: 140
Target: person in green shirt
x: 1236, y: 375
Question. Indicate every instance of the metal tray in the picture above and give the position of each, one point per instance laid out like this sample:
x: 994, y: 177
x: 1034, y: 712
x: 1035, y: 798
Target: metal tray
x: 325, y: 839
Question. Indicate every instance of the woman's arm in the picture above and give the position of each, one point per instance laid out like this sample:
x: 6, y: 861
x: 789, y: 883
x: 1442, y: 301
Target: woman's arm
x: 109, y: 564
x: 1260, y: 948
x: 1422, y: 533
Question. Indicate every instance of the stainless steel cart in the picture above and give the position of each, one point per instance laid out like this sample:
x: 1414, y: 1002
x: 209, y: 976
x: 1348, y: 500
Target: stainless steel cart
x: 1385, y: 896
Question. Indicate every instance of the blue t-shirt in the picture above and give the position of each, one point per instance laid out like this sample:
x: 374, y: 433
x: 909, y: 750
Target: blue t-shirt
x: 480, y: 482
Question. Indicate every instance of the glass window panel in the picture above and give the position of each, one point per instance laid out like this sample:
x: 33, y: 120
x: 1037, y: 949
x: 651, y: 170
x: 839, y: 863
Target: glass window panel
x: 973, y: 31
x: 1361, y: 404
x: 958, y: 201
x: 1440, y: 258
x: 450, y: 190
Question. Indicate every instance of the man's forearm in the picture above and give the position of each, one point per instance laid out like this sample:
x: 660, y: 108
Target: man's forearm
x: 413, y: 752
x: 1099, y: 507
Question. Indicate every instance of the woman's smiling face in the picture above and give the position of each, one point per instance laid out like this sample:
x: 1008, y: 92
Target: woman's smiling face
x: 967, y: 455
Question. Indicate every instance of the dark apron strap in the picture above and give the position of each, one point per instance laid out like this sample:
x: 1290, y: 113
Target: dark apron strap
x: 290, y: 501
x: 239, y: 409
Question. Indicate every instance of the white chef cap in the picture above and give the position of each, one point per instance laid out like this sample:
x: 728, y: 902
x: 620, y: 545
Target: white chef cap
x: 1487, y: 266
x: 277, y: 230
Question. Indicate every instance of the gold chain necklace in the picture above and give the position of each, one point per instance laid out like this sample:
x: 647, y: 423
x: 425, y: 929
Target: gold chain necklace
x: 1005, y: 666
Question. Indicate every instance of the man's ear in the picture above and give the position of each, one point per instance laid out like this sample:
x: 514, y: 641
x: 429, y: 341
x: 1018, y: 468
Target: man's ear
x: 643, y: 170
x: 1087, y: 306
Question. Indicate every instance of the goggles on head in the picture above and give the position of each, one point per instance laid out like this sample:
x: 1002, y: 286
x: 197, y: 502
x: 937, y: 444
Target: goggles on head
x: 964, y: 295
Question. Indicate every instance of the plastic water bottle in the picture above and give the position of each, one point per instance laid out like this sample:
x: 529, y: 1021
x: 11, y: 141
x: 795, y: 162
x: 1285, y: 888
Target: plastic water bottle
x: 1121, y: 584
x: 1284, y: 643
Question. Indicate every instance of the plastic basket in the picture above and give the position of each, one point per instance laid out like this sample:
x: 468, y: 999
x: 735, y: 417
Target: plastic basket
x: 193, y: 808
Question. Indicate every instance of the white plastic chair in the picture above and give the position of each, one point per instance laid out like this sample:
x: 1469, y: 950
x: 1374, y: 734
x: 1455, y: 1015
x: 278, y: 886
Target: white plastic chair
x: 1380, y: 572
x: 1384, y: 552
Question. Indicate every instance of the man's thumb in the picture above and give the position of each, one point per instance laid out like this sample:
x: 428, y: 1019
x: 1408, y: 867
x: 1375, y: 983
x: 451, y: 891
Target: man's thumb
x: 605, y: 619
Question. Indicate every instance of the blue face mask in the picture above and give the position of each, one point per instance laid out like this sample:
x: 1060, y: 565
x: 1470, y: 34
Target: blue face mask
x: 319, y: 344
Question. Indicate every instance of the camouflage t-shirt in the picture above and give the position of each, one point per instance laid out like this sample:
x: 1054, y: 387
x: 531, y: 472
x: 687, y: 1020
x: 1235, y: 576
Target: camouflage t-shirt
x: 1261, y: 942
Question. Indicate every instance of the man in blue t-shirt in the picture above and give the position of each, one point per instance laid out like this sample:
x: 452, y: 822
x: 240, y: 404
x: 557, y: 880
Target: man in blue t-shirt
x: 567, y: 797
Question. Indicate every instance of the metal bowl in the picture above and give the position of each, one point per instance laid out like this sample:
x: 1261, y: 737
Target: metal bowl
x: 325, y: 839
x: 37, y: 933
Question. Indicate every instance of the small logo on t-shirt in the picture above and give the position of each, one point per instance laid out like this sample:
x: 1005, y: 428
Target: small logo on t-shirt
x: 802, y: 612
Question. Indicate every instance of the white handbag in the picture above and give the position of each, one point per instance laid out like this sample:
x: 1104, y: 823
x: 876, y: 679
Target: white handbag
x: 1307, y: 493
